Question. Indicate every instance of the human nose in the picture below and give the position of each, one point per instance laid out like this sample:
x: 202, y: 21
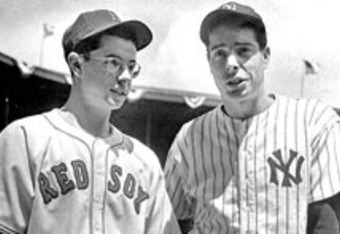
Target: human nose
x: 125, y: 76
x: 232, y: 65
x: 124, y: 81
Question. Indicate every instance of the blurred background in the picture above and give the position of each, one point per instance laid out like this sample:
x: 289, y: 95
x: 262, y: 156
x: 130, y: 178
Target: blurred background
x: 175, y: 84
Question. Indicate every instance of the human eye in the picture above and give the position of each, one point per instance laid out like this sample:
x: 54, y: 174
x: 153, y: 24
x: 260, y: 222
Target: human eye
x: 115, y: 62
x: 134, y: 69
x: 131, y: 67
x: 114, y: 65
x: 244, y: 51
x: 219, y: 54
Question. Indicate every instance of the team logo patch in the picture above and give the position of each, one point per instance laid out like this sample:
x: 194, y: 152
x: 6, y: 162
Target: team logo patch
x: 277, y: 164
x: 229, y: 6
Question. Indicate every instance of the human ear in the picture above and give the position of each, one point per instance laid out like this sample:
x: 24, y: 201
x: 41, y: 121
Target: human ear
x: 74, y: 61
x: 266, y: 55
x: 209, y: 62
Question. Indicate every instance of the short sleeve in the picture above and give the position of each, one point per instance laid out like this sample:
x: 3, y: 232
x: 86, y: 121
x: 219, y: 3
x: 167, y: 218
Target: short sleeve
x: 325, y: 163
x: 16, y: 186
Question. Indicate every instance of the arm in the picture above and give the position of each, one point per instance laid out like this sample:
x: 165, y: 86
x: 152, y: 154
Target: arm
x: 334, y: 203
x: 322, y: 218
x: 185, y: 225
x: 324, y: 209
x: 175, y: 172
x: 16, y: 187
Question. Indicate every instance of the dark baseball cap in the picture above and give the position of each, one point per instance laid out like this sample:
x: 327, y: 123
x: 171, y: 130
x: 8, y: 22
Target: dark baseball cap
x: 91, y: 23
x: 229, y: 12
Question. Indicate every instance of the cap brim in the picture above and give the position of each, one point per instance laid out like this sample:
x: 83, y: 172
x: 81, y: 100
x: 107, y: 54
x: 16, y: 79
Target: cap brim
x: 142, y: 33
x: 223, y: 15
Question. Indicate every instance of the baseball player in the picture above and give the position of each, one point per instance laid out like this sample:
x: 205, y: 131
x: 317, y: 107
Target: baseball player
x: 256, y: 162
x: 70, y: 170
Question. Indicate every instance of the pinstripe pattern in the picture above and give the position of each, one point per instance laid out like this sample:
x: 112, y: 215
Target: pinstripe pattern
x: 256, y: 175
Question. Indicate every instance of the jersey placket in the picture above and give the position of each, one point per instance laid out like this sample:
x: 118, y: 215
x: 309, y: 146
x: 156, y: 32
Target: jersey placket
x: 98, y: 185
x: 246, y: 182
x: 251, y: 183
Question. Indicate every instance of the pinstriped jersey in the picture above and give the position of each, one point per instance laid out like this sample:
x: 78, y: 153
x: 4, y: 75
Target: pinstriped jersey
x: 256, y: 175
x: 56, y: 178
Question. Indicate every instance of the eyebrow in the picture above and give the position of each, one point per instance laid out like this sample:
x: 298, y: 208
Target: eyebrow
x: 236, y: 44
x: 217, y: 46
x: 112, y: 55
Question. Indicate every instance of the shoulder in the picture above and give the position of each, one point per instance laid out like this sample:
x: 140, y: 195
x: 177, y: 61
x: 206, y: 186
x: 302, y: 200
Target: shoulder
x: 34, y: 123
x: 320, y: 113
x: 196, y: 125
x: 309, y: 107
x: 317, y: 115
x: 33, y: 130
x: 23, y: 136
x: 192, y: 135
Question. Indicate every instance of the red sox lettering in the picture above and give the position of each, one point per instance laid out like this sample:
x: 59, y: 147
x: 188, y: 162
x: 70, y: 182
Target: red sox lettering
x: 66, y: 185
x: 128, y: 188
x: 116, y: 183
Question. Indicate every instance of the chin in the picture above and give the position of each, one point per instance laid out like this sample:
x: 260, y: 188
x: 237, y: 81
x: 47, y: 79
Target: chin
x: 115, y: 103
x: 235, y: 93
x: 116, y: 106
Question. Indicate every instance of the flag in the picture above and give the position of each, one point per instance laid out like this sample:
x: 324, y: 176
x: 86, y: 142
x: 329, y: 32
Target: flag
x: 48, y: 29
x: 310, y: 67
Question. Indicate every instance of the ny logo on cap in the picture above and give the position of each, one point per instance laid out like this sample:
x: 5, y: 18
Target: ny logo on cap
x: 229, y: 6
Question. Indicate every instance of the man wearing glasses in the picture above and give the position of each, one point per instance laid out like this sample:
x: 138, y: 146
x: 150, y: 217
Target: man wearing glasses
x: 70, y: 170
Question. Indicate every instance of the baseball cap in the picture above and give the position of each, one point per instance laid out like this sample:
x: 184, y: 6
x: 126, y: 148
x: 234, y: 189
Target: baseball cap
x: 91, y: 23
x: 229, y: 11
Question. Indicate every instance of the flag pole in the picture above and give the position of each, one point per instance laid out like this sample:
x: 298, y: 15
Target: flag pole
x: 302, y: 85
x: 41, y: 54
x: 47, y: 31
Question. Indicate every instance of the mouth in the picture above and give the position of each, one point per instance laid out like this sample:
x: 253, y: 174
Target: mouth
x: 235, y: 81
x: 119, y: 92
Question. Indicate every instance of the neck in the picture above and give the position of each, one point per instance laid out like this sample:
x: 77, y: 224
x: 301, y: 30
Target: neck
x: 245, y: 109
x: 93, y: 120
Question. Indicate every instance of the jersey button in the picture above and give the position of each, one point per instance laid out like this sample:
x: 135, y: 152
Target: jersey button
x: 97, y: 228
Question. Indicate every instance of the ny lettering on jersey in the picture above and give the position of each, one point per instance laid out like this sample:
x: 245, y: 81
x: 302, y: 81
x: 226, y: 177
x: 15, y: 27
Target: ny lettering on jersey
x: 277, y: 164
x: 117, y: 183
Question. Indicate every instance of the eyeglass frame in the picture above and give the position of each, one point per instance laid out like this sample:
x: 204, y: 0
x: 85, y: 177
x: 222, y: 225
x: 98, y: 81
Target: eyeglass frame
x: 117, y: 68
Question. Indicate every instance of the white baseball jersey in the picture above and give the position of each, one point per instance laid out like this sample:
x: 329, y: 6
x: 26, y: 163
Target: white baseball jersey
x: 56, y: 178
x: 257, y: 175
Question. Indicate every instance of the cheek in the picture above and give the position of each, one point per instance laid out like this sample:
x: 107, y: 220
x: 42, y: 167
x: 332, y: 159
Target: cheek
x: 217, y: 75
x: 97, y: 82
x: 216, y: 71
x: 255, y: 65
x: 252, y: 62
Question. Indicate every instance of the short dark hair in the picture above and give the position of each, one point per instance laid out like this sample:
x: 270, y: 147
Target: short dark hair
x: 259, y: 29
x: 92, y: 43
x: 260, y: 32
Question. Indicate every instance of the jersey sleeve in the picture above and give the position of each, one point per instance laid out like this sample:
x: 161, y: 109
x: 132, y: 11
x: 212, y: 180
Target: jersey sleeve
x: 16, y: 186
x: 325, y: 162
x: 176, y: 171
x: 162, y: 218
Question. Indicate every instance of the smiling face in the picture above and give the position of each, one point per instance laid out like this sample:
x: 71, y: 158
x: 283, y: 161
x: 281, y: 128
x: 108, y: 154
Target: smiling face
x: 237, y: 63
x: 101, y: 85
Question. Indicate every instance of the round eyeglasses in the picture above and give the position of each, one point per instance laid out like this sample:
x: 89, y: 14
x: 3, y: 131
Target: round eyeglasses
x: 115, y: 66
